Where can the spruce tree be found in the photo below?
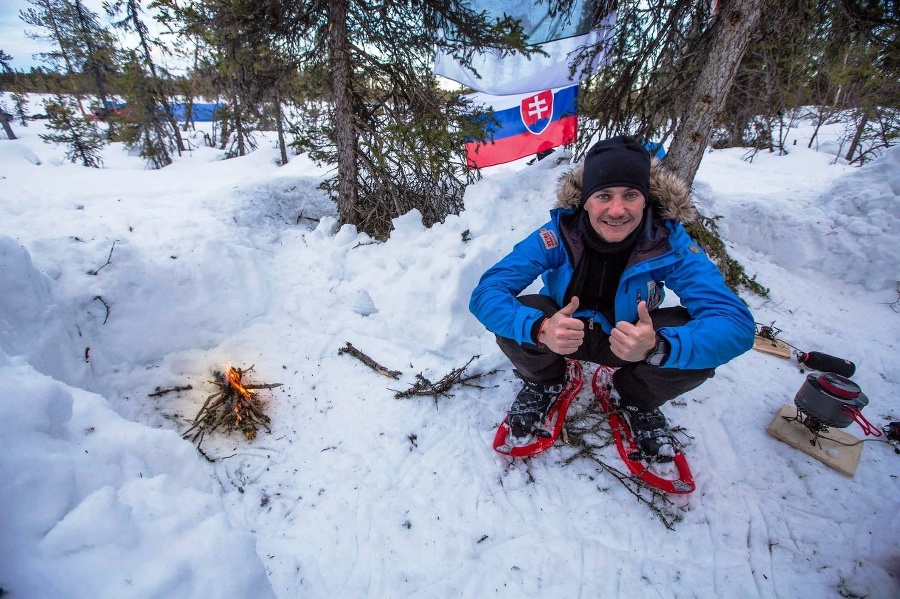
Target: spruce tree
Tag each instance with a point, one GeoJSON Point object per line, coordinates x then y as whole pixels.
{"type": "Point", "coordinates": [95, 50]}
{"type": "Point", "coordinates": [397, 138]}
{"type": "Point", "coordinates": [82, 139]}
{"type": "Point", "coordinates": [81, 46]}
{"type": "Point", "coordinates": [147, 87]}
{"type": "Point", "coordinates": [367, 99]}
{"type": "Point", "coordinates": [147, 129]}
{"type": "Point", "coordinates": [5, 117]}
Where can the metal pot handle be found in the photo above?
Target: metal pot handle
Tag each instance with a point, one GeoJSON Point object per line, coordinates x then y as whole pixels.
{"type": "Point", "coordinates": [867, 427]}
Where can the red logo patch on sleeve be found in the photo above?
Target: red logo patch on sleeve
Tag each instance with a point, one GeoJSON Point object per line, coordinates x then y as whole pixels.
{"type": "Point", "coordinates": [549, 239]}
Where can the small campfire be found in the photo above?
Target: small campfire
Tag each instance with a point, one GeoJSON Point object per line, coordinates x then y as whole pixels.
{"type": "Point", "coordinates": [234, 406]}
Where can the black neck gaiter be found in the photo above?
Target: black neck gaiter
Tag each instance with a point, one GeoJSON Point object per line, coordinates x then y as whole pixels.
{"type": "Point", "coordinates": [601, 268]}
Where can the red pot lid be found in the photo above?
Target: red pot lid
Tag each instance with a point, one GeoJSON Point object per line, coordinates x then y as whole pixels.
{"type": "Point", "coordinates": [839, 386]}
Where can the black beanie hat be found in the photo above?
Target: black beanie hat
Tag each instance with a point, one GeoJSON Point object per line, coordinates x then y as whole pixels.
{"type": "Point", "coordinates": [613, 162]}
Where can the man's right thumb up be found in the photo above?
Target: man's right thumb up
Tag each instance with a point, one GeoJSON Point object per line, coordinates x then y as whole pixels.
{"type": "Point", "coordinates": [571, 307]}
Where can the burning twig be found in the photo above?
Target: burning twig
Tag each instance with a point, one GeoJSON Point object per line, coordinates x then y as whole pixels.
{"type": "Point", "coordinates": [349, 349]}
{"type": "Point", "coordinates": [108, 261]}
{"type": "Point", "coordinates": [233, 406]}
{"type": "Point", "coordinates": [425, 387]}
{"type": "Point", "coordinates": [159, 391]}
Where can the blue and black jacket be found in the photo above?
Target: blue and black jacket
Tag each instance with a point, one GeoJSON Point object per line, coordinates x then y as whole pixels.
{"type": "Point", "coordinates": [664, 258]}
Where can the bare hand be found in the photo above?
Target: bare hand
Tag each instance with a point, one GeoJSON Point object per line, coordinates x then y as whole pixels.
{"type": "Point", "coordinates": [562, 333]}
{"type": "Point", "coordinates": [632, 342]}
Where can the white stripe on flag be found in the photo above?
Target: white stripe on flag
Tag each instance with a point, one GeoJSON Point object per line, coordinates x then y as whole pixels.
{"type": "Point", "coordinates": [517, 74]}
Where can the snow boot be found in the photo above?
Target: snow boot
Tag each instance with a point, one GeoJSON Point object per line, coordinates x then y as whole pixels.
{"type": "Point", "coordinates": [651, 431]}
{"type": "Point", "coordinates": [532, 404]}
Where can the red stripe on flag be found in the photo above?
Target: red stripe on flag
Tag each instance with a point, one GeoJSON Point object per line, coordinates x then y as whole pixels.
{"type": "Point", "coordinates": [557, 133]}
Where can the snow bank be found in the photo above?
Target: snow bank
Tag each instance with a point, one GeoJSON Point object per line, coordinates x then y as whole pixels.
{"type": "Point", "coordinates": [865, 221]}
{"type": "Point", "coordinates": [848, 232]}
{"type": "Point", "coordinates": [30, 322]}
{"type": "Point", "coordinates": [113, 508]}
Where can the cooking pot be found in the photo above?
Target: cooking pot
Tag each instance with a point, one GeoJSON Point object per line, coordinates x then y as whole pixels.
{"type": "Point", "coordinates": [831, 399]}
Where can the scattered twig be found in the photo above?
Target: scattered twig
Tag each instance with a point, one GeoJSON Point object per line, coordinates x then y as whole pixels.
{"type": "Point", "coordinates": [301, 217]}
{"type": "Point", "coordinates": [87, 354]}
{"type": "Point", "coordinates": [262, 385]}
{"type": "Point", "coordinates": [108, 261]}
{"type": "Point", "coordinates": [159, 391]}
{"type": "Point", "coordinates": [895, 305]}
{"type": "Point", "coordinates": [349, 349]}
{"type": "Point", "coordinates": [363, 243]}
{"type": "Point", "coordinates": [203, 453]}
{"type": "Point", "coordinates": [588, 435]}
{"type": "Point", "coordinates": [423, 386]}
{"type": "Point", "coordinates": [105, 305]}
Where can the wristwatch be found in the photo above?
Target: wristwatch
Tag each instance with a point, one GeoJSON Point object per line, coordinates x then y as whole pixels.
{"type": "Point", "coordinates": [660, 353]}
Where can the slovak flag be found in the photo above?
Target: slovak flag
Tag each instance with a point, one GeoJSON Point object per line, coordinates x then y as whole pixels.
{"type": "Point", "coordinates": [527, 124]}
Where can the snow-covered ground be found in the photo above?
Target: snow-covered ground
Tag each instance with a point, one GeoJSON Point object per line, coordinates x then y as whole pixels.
{"type": "Point", "coordinates": [355, 493]}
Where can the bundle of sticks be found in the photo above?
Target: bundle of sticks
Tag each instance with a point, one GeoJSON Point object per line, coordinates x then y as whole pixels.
{"type": "Point", "coordinates": [233, 406]}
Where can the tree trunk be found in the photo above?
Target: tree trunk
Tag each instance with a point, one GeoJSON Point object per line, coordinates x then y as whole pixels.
{"type": "Point", "coordinates": [93, 66]}
{"type": "Point", "coordinates": [857, 136]}
{"type": "Point", "coordinates": [735, 23]}
{"type": "Point", "coordinates": [345, 133]}
{"type": "Point", "coordinates": [4, 119]}
{"type": "Point", "coordinates": [279, 125]}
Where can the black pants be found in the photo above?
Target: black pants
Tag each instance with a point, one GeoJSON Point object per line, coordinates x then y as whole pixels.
{"type": "Point", "coordinates": [638, 383]}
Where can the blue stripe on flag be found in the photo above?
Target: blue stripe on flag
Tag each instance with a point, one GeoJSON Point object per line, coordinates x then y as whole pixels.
{"type": "Point", "coordinates": [510, 121]}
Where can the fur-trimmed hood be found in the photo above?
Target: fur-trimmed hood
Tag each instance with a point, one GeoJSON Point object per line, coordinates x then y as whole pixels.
{"type": "Point", "coordinates": [670, 195]}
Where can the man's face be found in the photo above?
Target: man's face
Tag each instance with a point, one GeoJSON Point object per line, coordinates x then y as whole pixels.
{"type": "Point", "coordinates": [615, 212]}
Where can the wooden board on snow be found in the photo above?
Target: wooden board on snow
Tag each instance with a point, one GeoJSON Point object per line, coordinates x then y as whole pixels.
{"type": "Point", "coordinates": [772, 346]}
{"type": "Point", "coordinates": [843, 458]}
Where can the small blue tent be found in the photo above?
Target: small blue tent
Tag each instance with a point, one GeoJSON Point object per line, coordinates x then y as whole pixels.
{"type": "Point", "coordinates": [200, 112]}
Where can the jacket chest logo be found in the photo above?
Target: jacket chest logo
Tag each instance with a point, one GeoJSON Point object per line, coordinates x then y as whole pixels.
{"type": "Point", "coordinates": [549, 238]}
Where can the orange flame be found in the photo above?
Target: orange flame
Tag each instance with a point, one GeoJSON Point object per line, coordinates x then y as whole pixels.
{"type": "Point", "coordinates": [234, 379]}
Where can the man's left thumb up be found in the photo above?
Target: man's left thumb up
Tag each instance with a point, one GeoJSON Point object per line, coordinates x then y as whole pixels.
{"type": "Point", "coordinates": [644, 314]}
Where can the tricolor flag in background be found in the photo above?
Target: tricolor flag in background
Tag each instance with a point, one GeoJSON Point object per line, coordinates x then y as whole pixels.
{"type": "Point", "coordinates": [527, 124]}
{"type": "Point", "coordinates": [535, 98]}
{"type": "Point", "coordinates": [559, 36]}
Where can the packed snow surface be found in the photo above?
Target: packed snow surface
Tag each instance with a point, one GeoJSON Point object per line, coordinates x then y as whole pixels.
{"type": "Point", "coordinates": [121, 280]}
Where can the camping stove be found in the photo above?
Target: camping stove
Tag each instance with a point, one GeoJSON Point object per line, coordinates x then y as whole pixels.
{"type": "Point", "coordinates": [828, 399]}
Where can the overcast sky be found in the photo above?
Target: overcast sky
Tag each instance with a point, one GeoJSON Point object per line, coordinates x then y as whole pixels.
{"type": "Point", "coordinates": [13, 40]}
{"type": "Point", "coordinates": [12, 35]}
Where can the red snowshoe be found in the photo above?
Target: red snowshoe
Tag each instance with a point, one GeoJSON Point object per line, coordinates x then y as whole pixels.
{"type": "Point", "coordinates": [504, 441]}
{"type": "Point", "coordinates": [628, 447]}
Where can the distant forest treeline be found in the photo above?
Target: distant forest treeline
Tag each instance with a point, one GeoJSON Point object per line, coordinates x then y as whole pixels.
{"type": "Point", "coordinates": [39, 80]}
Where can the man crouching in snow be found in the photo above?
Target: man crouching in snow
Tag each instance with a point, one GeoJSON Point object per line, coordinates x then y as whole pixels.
{"type": "Point", "coordinates": [614, 240]}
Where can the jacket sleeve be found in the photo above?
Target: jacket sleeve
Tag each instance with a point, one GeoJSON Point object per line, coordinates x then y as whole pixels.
{"type": "Point", "coordinates": [721, 328]}
{"type": "Point", "coordinates": [494, 300]}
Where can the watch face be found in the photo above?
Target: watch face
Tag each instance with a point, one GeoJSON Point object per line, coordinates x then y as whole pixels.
{"type": "Point", "coordinates": [655, 359]}
{"type": "Point", "coordinates": [659, 353]}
